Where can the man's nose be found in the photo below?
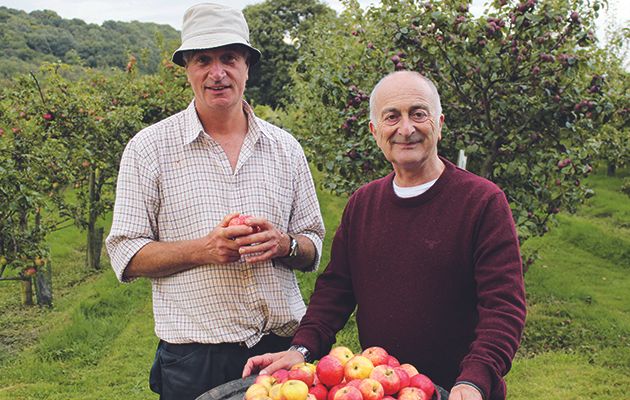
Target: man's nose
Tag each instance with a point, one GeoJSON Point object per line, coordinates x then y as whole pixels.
{"type": "Point", "coordinates": [407, 128]}
{"type": "Point", "coordinates": [216, 71]}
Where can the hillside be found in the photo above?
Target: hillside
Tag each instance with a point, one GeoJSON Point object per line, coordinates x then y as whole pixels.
{"type": "Point", "coordinates": [29, 39]}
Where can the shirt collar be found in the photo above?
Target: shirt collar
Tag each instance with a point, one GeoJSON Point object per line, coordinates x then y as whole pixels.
{"type": "Point", "coordinates": [194, 127]}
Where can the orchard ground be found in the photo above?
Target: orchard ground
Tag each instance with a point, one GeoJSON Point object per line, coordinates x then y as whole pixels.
{"type": "Point", "coordinates": [98, 341]}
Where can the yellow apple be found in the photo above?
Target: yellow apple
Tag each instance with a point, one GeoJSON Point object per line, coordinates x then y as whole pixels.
{"type": "Point", "coordinates": [358, 367]}
{"type": "Point", "coordinates": [341, 353]}
{"type": "Point", "coordinates": [294, 390]}
{"type": "Point", "coordinates": [255, 390]}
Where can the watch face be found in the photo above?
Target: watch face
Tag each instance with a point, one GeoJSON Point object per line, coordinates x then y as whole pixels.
{"type": "Point", "coordinates": [293, 247]}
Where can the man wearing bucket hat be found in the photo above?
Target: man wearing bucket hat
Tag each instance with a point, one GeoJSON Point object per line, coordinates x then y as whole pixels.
{"type": "Point", "coordinates": [221, 292]}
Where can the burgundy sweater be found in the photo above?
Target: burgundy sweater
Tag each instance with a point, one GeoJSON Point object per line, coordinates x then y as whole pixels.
{"type": "Point", "coordinates": [436, 280]}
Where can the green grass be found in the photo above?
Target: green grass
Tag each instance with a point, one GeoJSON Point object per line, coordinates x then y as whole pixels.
{"type": "Point", "coordinates": [98, 341]}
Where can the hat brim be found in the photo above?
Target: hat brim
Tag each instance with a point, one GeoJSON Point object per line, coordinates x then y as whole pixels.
{"type": "Point", "coordinates": [206, 42]}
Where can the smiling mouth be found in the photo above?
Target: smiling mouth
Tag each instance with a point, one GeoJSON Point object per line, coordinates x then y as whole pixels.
{"type": "Point", "coordinates": [217, 88]}
{"type": "Point", "coordinates": [409, 143]}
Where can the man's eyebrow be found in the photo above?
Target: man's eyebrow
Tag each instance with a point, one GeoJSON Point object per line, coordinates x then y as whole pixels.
{"type": "Point", "coordinates": [388, 110]}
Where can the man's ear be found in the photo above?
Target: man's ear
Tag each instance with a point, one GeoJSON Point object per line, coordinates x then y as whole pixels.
{"type": "Point", "coordinates": [372, 129]}
{"type": "Point", "coordinates": [441, 124]}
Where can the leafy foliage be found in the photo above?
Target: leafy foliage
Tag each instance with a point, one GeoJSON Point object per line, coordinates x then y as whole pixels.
{"type": "Point", "coordinates": [275, 29]}
{"type": "Point", "coordinates": [62, 132]}
{"type": "Point", "coordinates": [520, 89]}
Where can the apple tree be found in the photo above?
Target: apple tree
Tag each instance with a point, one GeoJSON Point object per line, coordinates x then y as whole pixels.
{"type": "Point", "coordinates": [29, 182]}
{"type": "Point", "coordinates": [516, 87]}
{"type": "Point", "coordinates": [93, 117]}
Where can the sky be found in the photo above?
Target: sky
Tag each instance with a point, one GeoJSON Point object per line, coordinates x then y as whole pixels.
{"type": "Point", "coordinates": [170, 12]}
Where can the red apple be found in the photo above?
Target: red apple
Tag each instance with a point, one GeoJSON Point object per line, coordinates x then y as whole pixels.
{"type": "Point", "coordinates": [348, 393]}
{"type": "Point", "coordinates": [412, 393]}
{"type": "Point", "coordinates": [302, 372]}
{"type": "Point", "coordinates": [371, 389]}
{"type": "Point", "coordinates": [333, 390]}
{"type": "Point", "coordinates": [393, 361]}
{"type": "Point", "coordinates": [319, 391]}
{"type": "Point", "coordinates": [341, 353]}
{"type": "Point", "coordinates": [330, 371]}
{"type": "Point", "coordinates": [423, 383]}
{"type": "Point", "coordinates": [409, 369]}
{"type": "Point", "coordinates": [387, 378]}
{"type": "Point", "coordinates": [376, 354]}
{"type": "Point", "coordinates": [358, 367]}
{"type": "Point", "coordinates": [240, 220]}
{"type": "Point", "coordinates": [355, 383]}
{"type": "Point", "coordinates": [281, 375]}
{"type": "Point", "coordinates": [294, 390]}
{"type": "Point", "coordinates": [403, 375]}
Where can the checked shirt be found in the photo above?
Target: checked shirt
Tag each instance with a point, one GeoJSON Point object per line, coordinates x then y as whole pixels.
{"type": "Point", "coordinates": [176, 183]}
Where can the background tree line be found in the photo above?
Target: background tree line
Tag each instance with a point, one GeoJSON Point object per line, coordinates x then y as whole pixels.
{"type": "Point", "coordinates": [30, 39]}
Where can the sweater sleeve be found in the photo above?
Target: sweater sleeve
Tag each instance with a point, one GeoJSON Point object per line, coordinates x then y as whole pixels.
{"type": "Point", "coordinates": [501, 300]}
{"type": "Point", "coordinates": [332, 301]}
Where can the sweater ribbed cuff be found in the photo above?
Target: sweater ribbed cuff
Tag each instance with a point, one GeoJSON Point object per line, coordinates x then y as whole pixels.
{"type": "Point", "coordinates": [483, 396]}
{"type": "Point", "coordinates": [479, 374]}
{"type": "Point", "coordinates": [310, 340]}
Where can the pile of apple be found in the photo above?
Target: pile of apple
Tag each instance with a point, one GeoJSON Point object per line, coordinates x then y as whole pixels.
{"type": "Point", "coordinates": [343, 375]}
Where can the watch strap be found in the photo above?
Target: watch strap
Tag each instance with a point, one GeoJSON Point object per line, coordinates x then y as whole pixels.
{"type": "Point", "coordinates": [302, 350]}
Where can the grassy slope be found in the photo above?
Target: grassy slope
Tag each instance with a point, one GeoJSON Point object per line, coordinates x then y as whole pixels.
{"type": "Point", "coordinates": [577, 339]}
{"type": "Point", "coordinates": [98, 341]}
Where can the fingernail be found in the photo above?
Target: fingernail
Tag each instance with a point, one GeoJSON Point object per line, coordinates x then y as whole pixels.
{"type": "Point", "coordinates": [263, 372]}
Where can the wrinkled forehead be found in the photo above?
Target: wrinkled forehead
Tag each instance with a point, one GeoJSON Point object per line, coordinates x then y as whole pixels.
{"type": "Point", "coordinates": [403, 94]}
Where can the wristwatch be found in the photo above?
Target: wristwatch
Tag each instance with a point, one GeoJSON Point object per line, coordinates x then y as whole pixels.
{"type": "Point", "coordinates": [302, 350]}
{"type": "Point", "coordinates": [293, 247]}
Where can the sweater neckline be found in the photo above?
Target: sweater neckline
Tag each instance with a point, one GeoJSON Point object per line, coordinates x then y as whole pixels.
{"type": "Point", "coordinates": [443, 179]}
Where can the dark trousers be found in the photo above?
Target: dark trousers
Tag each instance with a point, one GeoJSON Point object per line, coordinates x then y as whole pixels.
{"type": "Point", "coordinates": [186, 371]}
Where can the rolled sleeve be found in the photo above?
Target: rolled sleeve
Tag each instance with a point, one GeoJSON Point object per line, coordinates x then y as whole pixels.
{"type": "Point", "coordinates": [306, 215]}
{"type": "Point", "coordinates": [135, 209]}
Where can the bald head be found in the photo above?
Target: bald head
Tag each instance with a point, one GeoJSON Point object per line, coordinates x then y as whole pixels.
{"type": "Point", "coordinates": [404, 79]}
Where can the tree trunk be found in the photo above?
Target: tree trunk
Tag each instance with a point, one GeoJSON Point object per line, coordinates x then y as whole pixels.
{"type": "Point", "coordinates": [612, 168]}
{"type": "Point", "coordinates": [27, 291]}
{"type": "Point", "coordinates": [94, 234]}
{"type": "Point", "coordinates": [43, 284]}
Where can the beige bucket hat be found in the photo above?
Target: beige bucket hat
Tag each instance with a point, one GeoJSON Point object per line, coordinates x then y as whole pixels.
{"type": "Point", "coordinates": [209, 25]}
